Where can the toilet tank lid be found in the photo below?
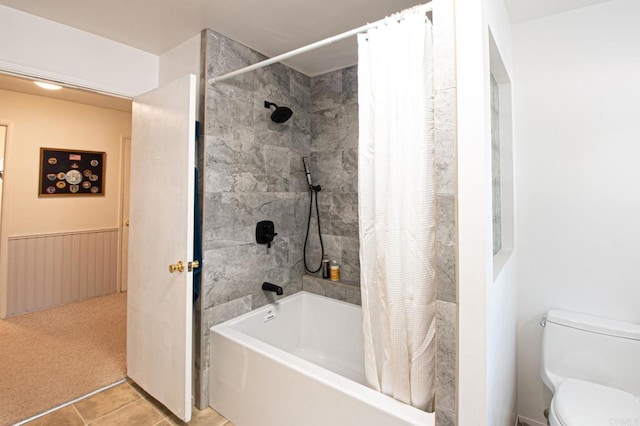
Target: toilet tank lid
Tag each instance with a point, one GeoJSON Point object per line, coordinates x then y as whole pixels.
{"type": "Point", "coordinates": [595, 324]}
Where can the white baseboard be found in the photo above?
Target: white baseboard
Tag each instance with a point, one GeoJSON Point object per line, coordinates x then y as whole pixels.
{"type": "Point", "coordinates": [529, 421]}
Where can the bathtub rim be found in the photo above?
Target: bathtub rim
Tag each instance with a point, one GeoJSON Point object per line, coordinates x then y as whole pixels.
{"type": "Point", "coordinates": [283, 301]}
{"type": "Point", "coordinates": [312, 371]}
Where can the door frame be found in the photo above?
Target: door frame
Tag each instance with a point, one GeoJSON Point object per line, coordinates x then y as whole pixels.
{"type": "Point", "coordinates": [4, 238]}
{"type": "Point", "coordinates": [123, 218]}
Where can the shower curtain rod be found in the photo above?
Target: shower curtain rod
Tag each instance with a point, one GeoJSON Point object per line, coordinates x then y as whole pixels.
{"type": "Point", "coordinates": [427, 8]}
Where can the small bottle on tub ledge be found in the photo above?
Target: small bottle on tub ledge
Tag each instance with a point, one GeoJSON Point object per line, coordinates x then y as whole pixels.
{"type": "Point", "coordinates": [335, 271]}
{"type": "Point", "coordinates": [325, 267]}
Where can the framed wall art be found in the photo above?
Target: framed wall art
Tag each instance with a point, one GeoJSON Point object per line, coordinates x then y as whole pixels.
{"type": "Point", "coordinates": [71, 172]}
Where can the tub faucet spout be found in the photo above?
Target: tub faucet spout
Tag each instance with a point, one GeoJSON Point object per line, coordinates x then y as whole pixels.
{"type": "Point", "coordinates": [272, 287]}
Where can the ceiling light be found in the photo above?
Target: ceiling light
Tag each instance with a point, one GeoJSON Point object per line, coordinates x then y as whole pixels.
{"type": "Point", "coordinates": [47, 86]}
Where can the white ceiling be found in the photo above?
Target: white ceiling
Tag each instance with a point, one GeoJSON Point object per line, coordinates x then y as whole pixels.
{"type": "Point", "coordinates": [524, 10]}
{"type": "Point", "coordinates": [270, 27]}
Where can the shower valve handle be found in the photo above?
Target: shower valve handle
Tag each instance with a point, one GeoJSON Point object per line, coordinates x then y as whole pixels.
{"type": "Point", "coordinates": [270, 238]}
{"type": "Point", "coordinates": [265, 232]}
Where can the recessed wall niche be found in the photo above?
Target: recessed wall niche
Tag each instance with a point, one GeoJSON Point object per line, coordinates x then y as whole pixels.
{"type": "Point", "coordinates": [501, 161]}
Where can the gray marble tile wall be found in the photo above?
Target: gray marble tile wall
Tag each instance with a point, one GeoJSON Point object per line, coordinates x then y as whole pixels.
{"type": "Point", "coordinates": [334, 166]}
{"type": "Point", "coordinates": [446, 198]}
{"type": "Point", "coordinates": [252, 171]}
{"type": "Point", "coordinates": [495, 166]}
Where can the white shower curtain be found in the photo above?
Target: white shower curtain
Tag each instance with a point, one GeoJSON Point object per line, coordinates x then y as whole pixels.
{"type": "Point", "coordinates": [396, 186]}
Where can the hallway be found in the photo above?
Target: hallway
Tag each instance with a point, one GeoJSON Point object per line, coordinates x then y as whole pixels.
{"type": "Point", "coordinates": [56, 355]}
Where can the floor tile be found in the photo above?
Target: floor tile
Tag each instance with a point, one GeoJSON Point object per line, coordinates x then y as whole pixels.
{"type": "Point", "coordinates": [126, 404]}
{"type": "Point", "coordinates": [66, 416]}
{"type": "Point", "coordinates": [208, 417]}
{"type": "Point", "coordinates": [137, 388]}
{"type": "Point", "coordinates": [105, 402]}
{"type": "Point", "coordinates": [139, 413]}
{"type": "Point", "coordinates": [156, 404]}
{"type": "Point", "coordinates": [159, 407]}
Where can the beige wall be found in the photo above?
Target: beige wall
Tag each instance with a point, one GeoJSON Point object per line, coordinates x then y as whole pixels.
{"type": "Point", "coordinates": [36, 122]}
{"type": "Point", "coordinates": [43, 122]}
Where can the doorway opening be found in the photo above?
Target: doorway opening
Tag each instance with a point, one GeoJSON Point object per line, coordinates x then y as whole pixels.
{"type": "Point", "coordinates": [61, 280]}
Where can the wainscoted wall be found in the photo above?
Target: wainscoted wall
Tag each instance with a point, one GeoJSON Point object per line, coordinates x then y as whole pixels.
{"type": "Point", "coordinates": [334, 164]}
{"type": "Point", "coordinates": [54, 269]}
{"type": "Point", "coordinates": [38, 121]}
{"type": "Point", "coordinates": [252, 171]}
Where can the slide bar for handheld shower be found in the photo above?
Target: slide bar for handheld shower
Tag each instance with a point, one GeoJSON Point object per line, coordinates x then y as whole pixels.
{"type": "Point", "coordinates": [426, 7]}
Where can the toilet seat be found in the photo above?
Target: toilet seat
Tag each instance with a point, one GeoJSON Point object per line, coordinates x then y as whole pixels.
{"type": "Point", "coordinates": [580, 403]}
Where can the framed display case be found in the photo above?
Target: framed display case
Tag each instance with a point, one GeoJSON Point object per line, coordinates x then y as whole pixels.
{"type": "Point", "coordinates": [65, 172]}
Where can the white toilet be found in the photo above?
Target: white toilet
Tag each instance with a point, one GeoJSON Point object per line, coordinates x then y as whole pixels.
{"type": "Point", "coordinates": [592, 366]}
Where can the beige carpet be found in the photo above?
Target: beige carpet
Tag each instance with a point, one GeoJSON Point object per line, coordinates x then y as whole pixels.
{"type": "Point", "coordinates": [53, 356]}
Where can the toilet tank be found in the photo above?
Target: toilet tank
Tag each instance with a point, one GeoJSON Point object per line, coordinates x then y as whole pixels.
{"type": "Point", "coordinates": [590, 348]}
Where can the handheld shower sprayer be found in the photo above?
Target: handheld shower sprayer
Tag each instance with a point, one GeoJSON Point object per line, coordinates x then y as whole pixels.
{"type": "Point", "coordinates": [307, 171]}
{"type": "Point", "coordinates": [305, 161]}
{"type": "Point", "coordinates": [313, 190]}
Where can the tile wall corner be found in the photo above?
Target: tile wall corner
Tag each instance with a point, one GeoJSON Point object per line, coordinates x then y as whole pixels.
{"type": "Point", "coordinates": [446, 211]}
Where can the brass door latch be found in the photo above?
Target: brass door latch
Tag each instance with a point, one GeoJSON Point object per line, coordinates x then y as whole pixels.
{"type": "Point", "coordinates": [179, 267]}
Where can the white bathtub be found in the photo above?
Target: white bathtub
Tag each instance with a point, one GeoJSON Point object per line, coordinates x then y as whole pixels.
{"type": "Point", "coordinates": [299, 362]}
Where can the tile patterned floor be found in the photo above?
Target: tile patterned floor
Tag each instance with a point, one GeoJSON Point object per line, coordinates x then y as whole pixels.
{"type": "Point", "coordinates": [125, 404]}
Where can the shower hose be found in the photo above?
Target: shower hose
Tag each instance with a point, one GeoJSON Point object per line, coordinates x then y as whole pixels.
{"type": "Point", "coordinates": [313, 190]}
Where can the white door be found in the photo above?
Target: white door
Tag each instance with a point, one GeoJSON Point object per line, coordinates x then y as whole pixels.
{"type": "Point", "coordinates": [159, 303]}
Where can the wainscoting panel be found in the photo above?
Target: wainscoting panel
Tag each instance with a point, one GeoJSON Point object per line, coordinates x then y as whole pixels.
{"type": "Point", "coordinates": [54, 269]}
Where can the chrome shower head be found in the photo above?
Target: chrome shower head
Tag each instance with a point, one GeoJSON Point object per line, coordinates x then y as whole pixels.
{"type": "Point", "coordinates": [280, 114]}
